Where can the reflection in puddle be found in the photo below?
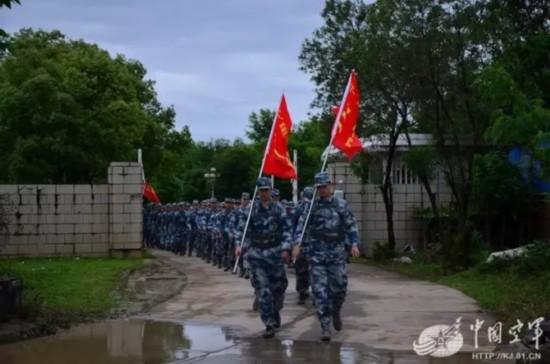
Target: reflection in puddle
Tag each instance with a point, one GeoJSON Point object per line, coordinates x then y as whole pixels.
{"type": "Point", "coordinates": [151, 342]}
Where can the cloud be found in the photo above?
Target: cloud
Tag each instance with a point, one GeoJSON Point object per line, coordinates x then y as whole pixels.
{"type": "Point", "coordinates": [216, 61]}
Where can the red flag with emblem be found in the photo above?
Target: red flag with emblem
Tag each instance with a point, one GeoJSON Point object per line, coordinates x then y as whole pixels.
{"type": "Point", "coordinates": [343, 130]}
{"type": "Point", "coordinates": [149, 193]}
{"type": "Point", "coordinates": [277, 158]}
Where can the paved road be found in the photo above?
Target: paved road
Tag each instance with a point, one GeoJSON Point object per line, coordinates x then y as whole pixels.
{"type": "Point", "coordinates": [383, 310]}
{"type": "Point", "coordinates": [211, 321]}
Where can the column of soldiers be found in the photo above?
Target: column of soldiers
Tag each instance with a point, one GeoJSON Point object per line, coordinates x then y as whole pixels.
{"type": "Point", "coordinates": [214, 231]}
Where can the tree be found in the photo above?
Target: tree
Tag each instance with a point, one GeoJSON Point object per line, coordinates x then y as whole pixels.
{"type": "Point", "coordinates": [8, 3]}
{"type": "Point", "coordinates": [237, 167]}
{"type": "Point", "coordinates": [67, 109]}
{"type": "Point", "coordinates": [449, 48]}
{"type": "Point", "coordinates": [516, 86]}
{"type": "Point", "coordinates": [419, 61]}
{"type": "Point", "coordinates": [3, 35]}
{"type": "Point", "coordinates": [260, 126]}
{"type": "Point", "coordinates": [310, 140]}
{"type": "Point", "coordinates": [501, 197]}
{"type": "Point", "coordinates": [357, 36]}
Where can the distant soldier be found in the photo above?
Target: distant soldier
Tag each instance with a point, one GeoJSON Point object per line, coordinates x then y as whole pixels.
{"type": "Point", "coordinates": [192, 237]}
{"type": "Point", "coordinates": [330, 223]}
{"type": "Point", "coordinates": [269, 238]}
{"type": "Point", "coordinates": [276, 194]}
{"type": "Point", "coordinates": [181, 228]}
{"type": "Point", "coordinates": [220, 237]}
{"type": "Point", "coordinates": [229, 230]}
{"type": "Point", "coordinates": [301, 265]}
{"type": "Point", "coordinates": [200, 218]}
{"type": "Point", "coordinates": [242, 215]}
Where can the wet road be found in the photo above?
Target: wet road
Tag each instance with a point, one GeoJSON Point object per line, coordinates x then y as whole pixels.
{"type": "Point", "coordinates": [211, 321]}
{"type": "Point", "coordinates": [143, 341]}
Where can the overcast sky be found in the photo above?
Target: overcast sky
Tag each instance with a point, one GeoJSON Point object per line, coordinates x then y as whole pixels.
{"type": "Point", "coordinates": [216, 61]}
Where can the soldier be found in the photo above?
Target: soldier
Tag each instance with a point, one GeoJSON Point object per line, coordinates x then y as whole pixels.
{"type": "Point", "coordinates": [193, 227]}
{"type": "Point", "coordinates": [276, 195]}
{"type": "Point", "coordinates": [301, 264]}
{"type": "Point", "coordinates": [200, 221]}
{"type": "Point", "coordinates": [331, 222]}
{"type": "Point", "coordinates": [212, 211]}
{"type": "Point", "coordinates": [268, 237]}
{"type": "Point", "coordinates": [242, 214]}
{"type": "Point", "coordinates": [219, 238]}
{"type": "Point", "coordinates": [229, 252]}
{"type": "Point", "coordinates": [181, 228]}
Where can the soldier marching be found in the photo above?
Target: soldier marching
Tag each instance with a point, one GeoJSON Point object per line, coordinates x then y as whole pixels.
{"type": "Point", "coordinates": [213, 231]}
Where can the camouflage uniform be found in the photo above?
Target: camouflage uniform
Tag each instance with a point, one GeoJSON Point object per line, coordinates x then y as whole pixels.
{"type": "Point", "coordinates": [200, 222]}
{"type": "Point", "coordinates": [192, 239]}
{"type": "Point", "coordinates": [331, 222]}
{"type": "Point", "coordinates": [218, 221]}
{"type": "Point", "coordinates": [242, 215]}
{"type": "Point", "coordinates": [229, 235]}
{"type": "Point", "coordinates": [301, 265]}
{"type": "Point", "coordinates": [269, 234]}
{"type": "Point", "coordinates": [181, 228]}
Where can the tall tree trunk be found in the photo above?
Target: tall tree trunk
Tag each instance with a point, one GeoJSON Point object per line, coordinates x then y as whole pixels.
{"type": "Point", "coordinates": [431, 195]}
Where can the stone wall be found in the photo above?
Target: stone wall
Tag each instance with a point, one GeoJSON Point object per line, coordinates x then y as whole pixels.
{"type": "Point", "coordinates": [83, 220]}
{"type": "Point", "coordinates": [367, 204]}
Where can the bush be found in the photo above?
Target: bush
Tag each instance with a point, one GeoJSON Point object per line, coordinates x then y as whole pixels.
{"type": "Point", "coordinates": [535, 260]}
{"type": "Point", "coordinates": [382, 251]}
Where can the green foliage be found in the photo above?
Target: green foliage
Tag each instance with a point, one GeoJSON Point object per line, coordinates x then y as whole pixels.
{"type": "Point", "coordinates": [67, 109]}
{"type": "Point", "coordinates": [517, 119]}
{"type": "Point", "coordinates": [310, 140]}
{"type": "Point", "coordinates": [498, 185]}
{"type": "Point", "coordinates": [260, 126]}
{"type": "Point", "coordinates": [422, 161]}
{"type": "Point", "coordinates": [9, 3]}
{"type": "Point", "coordinates": [382, 251]}
{"type": "Point", "coordinates": [66, 289]}
{"type": "Point", "coordinates": [471, 73]}
{"type": "Point", "coordinates": [238, 168]}
{"type": "Point", "coordinates": [4, 37]}
{"type": "Point", "coordinates": [510, 290]}
{"type": "Point", "coordinates": [533, 261]}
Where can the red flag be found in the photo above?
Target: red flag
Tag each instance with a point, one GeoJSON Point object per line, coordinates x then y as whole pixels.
{"type": "Point", "coordinates": [343, 131]}
{"type": "Point", "coordinates": [277, 157]}
{"type": "Point", "coordinates": [149, 193]}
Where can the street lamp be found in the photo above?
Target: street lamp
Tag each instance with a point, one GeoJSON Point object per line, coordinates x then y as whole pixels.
{"type": "Point", "coordinates": [211, 178]}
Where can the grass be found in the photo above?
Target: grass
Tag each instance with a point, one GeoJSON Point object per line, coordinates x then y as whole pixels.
{"type": "Point", "coordinates": [507, 291]}
{"type": "Point", "coordinates": [68, 289]}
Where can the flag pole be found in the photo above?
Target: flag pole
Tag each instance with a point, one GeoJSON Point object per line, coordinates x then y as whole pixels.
{"type": "Point", "coordinates": [332, 134]}
{"type": "Point", "coordinates": [295, 181]}
{"type": "Point", "coordinates": [256, 188]}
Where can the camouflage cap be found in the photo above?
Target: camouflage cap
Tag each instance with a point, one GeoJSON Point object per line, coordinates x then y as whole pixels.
{"type": "Point", "coordinates": [263, 183]}
{"type": "Point", "coordinates": [275, 193]}
{"type": "Point", "coordinates": [308, 192]}
{"type": "Point", "coordinates": [245, 196]}
{"type": "Point", "coordinates": [322, 179]}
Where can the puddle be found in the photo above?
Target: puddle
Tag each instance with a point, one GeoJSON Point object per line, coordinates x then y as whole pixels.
{"type": "Point", "coordinates": [152, 342]}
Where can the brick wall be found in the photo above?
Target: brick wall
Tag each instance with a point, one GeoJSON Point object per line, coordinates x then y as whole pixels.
{"type": "Point", "coordinates": [367, 204]}
{"type": "Point", "coordinates": [84, 220]}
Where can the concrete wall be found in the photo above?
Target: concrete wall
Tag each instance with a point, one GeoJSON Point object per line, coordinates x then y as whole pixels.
{"type": "Point", "coordinates": [368, 206]}
{"type": "Point", "coordinates": [84, 220]}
